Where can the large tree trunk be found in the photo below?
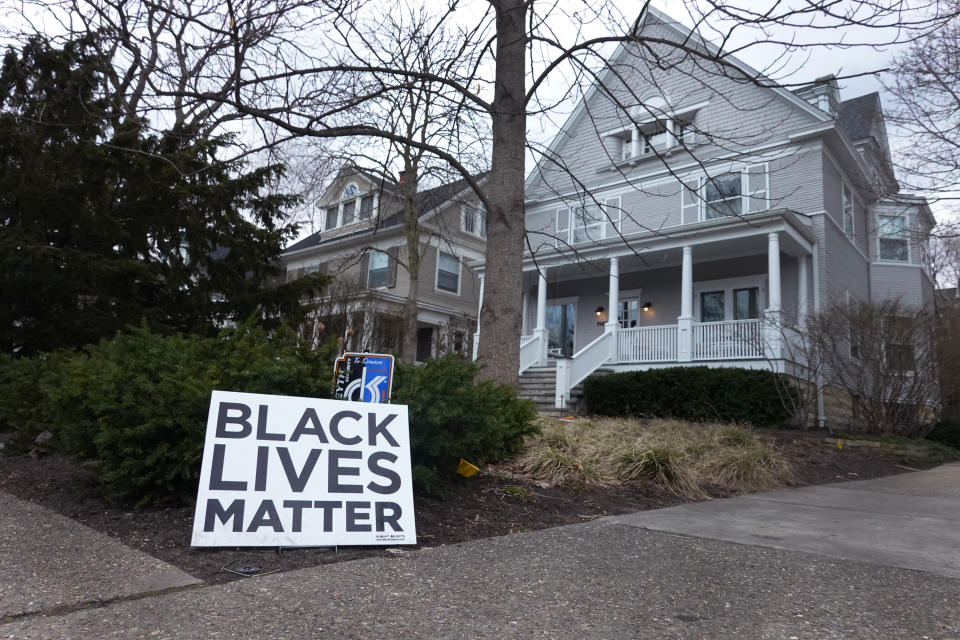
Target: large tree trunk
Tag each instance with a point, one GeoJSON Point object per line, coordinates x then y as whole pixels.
{"type": "Point", "coordinates": [411, 225]}
{"type": "Point", "coordinates": [500, 313]}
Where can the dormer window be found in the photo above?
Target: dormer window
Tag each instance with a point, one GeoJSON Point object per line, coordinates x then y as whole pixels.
{"type": "Point", "coordinates": [351, 208]}
{"type": "Point", "coordinates": [474, 221]}
{"type": "Point", "coordinates": [656, 129]}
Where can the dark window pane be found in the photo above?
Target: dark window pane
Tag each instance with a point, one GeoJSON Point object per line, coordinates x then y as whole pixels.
{"type": "Point", "coordinates": [348, 209]}
{"type": "Point", "coordinates": [366, 207]}
{"type": "Point", "coordinates": [711, 306]}
{"type": "Point", "coordinates": [331, 217]}
{"type": "Point", "coordinates": [746, 303]}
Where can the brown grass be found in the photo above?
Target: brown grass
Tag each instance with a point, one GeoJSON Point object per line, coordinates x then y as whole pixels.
{"type": "Point", "coordinates": [680, 456]}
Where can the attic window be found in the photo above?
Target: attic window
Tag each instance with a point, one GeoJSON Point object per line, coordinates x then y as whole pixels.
{"type": "Point", "coordinates": [659, 133]}
{"type": "Point", "coordinates": [350, 191]}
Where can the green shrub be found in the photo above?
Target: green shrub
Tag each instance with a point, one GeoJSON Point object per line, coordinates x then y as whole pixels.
{"type": "Point", "coordinates": [25, 388]}
{"type": "Point", "coordinates": [946, 432]}
{"type": "Point", "coordinates": [699, 394]}
{"type": "Point", "coordinates": [453, 416]}
{"type": "Point", "coordinates": [138, 403]}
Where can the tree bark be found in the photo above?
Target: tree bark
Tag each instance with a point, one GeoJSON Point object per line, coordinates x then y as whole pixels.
{"type": "Point", "coordinates": [411, 229]}
{"type": "Point", "coordinates": [500, 314]}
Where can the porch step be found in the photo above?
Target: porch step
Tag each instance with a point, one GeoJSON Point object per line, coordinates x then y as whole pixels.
{"type": "Point", "coordinates": [539, 384]}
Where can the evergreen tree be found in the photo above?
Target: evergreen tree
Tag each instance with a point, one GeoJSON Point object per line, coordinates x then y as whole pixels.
{"type": "Point", "coordinates": [105, 224]}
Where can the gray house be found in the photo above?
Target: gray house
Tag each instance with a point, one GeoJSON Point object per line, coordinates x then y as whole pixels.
{"type": "Point", "coordinates": [362, 244]}
{"type": "Point", "coordinates": [683, 207]}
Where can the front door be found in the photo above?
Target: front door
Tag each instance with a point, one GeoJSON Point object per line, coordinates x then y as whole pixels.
{"type": "Point", "coordinates": [560, 325]}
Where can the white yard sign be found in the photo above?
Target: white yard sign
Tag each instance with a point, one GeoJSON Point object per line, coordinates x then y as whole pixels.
{"type": "Point", "coordinates": [293, 472]}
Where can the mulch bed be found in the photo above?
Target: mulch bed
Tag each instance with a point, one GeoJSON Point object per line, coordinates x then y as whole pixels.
{"type": "Point", "coordinates": [489, 504]}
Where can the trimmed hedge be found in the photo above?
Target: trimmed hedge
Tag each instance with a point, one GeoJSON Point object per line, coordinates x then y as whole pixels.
{"type": "Point", "coordinates": [453, 416]}
{"type": "Point", "coordinates": [700, 394]}
{"type": "Point", "coordinates": [946, 432]}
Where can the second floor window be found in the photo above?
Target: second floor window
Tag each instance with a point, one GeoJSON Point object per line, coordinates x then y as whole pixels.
{"type": "Point", "coordinates": [847, 210]}
{"type": "Point", "coordinates": [723, 196]}
{"type": "Point", "coordinates": [587, 223]}
{"type": "Point", "coordinates": [377, 273]}
{"type": "Point", "coordinates": [893, 238]}
{"type": "Point", "coordinates": [448, 273]}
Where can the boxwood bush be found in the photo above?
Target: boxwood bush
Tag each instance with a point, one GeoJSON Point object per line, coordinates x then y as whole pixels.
{"type": "Point", "coordinates": [691, 393]}
{"type": "Point", "coordinates": [453, 416]}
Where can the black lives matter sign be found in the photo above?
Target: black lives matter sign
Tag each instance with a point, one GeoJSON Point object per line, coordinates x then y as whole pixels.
{"type": "Point", "coordinates": [288, 471]}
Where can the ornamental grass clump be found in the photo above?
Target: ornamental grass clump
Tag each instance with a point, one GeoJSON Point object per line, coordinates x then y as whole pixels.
{"type": "Point", "coordinates": [681, 457]}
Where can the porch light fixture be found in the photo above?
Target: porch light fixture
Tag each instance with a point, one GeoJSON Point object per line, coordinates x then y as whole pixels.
{"type": "Point", "coordinates": [647, 305]}
{"type": "Point", "coordinates": [601, 315]}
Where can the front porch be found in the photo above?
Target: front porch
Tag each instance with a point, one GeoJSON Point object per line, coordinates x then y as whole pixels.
{"type": "Point", "coordinates": [726, 311]}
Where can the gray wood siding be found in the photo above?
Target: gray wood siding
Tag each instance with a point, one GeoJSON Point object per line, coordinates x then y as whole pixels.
{"type": "Point", "coordinates": [903, 283]}
{"type": "Point", "coordinates": [795, 179]}
{"type": "Point", "coordinates": [464, 303]}
{"type": "Point", "coordinates": [739, 115]}
{"type": "Point", "coordinates": [846, 268]}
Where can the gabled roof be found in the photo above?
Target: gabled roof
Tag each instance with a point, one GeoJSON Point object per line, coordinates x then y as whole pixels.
{"type": "Point", "coordinates": [857, 115]}
{"type": "Point", "coordinates": [429, 200]}
{"type": "Point", "coordinates": [690, 37]}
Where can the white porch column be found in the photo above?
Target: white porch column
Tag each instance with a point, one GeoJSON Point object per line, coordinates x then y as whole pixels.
{"type": "Point", "coordinates": [476, 333]}
{"type": "Point", "coordinates": [773, 271]}
{"type": "Point", "coordinates": [803, 307]}
{"type": "Point", "coordinates": [541, 330]}
{"type": "Point", "coordinates": [774, 304]}
{"type": "Point", "coordinates": [613, 305]}
{"type": "Point", "coordinates": [685, 321]}
{"type": "Point", "coordinates": [635, 143]}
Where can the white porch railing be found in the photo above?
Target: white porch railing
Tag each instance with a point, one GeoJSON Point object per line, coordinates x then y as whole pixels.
{"type": "Point", "coordinates": [730, 340]}
{"type": "Point", "coordinates": [572, 371]}
{"type": "Point", "coordinates": [529, 352]}
{"type": "Point", "coordinates": [647, 344]}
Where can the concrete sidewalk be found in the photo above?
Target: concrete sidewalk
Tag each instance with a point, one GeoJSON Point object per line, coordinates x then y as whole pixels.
{"type": "Point", "coordinates": [605, 579]}
{"type": "Point", "coordinates": [50, 562]}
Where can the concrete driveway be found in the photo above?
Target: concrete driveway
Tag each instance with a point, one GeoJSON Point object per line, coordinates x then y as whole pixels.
{"type": "Point", "coordinates": [910, 520]}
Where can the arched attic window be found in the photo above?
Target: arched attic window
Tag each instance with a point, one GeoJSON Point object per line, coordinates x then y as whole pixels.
{"type": "Point", "coordinates": [655, 128]}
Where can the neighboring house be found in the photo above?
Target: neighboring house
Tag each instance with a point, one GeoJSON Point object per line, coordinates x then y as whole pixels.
{"type": "Point", "coordinates": [362, 245]}
{"type": "Point", "coordinates": [681, 207]}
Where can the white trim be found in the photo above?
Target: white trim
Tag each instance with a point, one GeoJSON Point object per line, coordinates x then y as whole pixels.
{"type": "Point", "coordinates": [436, 274]}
